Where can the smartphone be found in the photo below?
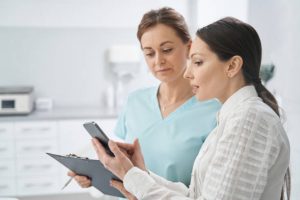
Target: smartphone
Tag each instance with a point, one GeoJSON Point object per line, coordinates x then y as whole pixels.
{"type": "Point", "coordinates": [95, 131]}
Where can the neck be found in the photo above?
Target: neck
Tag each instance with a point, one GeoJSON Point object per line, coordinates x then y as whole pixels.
{"type": "Point", "coordinates": [235, 84]}
{"type": "Point", "coordinates": [175, 91]}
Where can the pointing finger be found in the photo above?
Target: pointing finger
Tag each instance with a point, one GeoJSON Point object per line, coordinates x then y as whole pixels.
{"type": "Point", "coordinates": [99, 149]}
{"type": "Point", "coordinates": [115, 149]}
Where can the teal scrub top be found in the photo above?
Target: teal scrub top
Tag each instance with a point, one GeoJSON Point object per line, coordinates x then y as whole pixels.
{"type": "Point", "coordinates": [169, 145]}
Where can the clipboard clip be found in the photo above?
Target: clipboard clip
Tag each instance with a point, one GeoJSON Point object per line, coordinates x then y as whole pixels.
{"type": "Point", "coordinates": [72, 155]}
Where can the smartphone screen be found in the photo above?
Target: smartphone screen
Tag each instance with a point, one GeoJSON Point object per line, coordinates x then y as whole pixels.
{"type": "Point", "coordinates": [95, 131]}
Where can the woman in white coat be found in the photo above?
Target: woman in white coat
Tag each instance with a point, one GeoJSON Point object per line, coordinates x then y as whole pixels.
{"type": "Point", "coordinates": [247, 155]}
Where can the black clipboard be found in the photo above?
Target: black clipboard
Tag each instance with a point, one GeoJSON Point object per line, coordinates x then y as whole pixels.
{"type": "Point", "coordinates": [99, 176]}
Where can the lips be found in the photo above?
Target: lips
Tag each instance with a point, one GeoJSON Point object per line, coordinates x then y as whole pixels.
{"type": "Point", "coordinates": [195, 88]}
{"type": "Point", "coordinates": [163, 70]}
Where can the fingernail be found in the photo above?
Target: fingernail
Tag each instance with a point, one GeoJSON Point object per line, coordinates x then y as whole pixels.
{"type": "Point", "coordinates": [93, 141]}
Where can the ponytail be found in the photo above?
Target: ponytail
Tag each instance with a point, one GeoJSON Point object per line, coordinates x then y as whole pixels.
{"type": "Point", "coordinates": [266, 96]}
{"type": "Point", "coordinates": [270, 100]}
{"type": "Point", "coordinates": [286, 188]}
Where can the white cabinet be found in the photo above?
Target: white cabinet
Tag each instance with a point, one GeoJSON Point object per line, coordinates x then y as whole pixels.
{"type": "Point", "coordinates": [7, 161]}
{"type": "Point", "coordinates": [25, 169]}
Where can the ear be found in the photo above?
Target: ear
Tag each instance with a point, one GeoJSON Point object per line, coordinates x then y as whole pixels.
{"type": "Point", "coordinates": [234, 66]}
{"type": "Point", "coordinates": [189, 44]}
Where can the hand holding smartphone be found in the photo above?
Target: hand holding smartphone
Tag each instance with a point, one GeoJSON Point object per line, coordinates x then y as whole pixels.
{"type": "Point", "coordinates": [95, 131]}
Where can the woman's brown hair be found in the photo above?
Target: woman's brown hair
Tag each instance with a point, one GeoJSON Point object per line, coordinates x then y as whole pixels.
{"type": "Point", "coordinates": [168, 17]}
{"type": "Point", "coordinates": [229, 37]}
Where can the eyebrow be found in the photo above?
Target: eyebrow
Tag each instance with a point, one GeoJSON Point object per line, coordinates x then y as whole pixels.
{"type": "Point", "coordinates": [163, 43]}
{"type": "Point", "coordinates": [197, 53]}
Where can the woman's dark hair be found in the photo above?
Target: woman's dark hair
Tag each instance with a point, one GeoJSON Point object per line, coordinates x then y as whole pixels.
{"type": "Point", "coordinates": [230, 37]}
{"type": "Point", "coordinates": [168, 17]}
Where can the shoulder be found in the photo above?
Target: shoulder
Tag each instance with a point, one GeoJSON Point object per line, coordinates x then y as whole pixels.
{"type": "Point", "coordinates": [141, 95]}
{"type": "Point", "coordinates": [254, 110]}
{"type": "Point", "coordinates": [144, 92]}
{"type": "Point", "coordinates": [256, 119]}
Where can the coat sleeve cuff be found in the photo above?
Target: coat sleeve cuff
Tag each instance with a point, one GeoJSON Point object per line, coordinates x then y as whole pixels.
{"type": "Point", "coordinates": [138, 182]}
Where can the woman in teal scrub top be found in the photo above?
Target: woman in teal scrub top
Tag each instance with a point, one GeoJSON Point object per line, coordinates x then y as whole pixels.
{"type": "Point", "coordinates": [169, 122]}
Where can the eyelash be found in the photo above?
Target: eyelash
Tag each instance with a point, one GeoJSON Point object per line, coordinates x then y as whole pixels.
{"type": "Point", "coordinates": [166, 51]}
{"type": "Point", "coordinates": [198, 63]}
{"type": "Point", "coordinates": [149, 54]}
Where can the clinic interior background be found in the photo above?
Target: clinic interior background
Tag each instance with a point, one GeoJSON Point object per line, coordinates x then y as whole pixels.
{"type": "Point", "coordinates": [60, 47]}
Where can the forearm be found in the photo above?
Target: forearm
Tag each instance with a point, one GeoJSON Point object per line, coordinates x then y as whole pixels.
{"type": "Point", "coordinates": [145, 186]}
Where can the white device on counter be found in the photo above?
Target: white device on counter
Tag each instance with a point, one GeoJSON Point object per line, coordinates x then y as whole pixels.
{"type": "Point", "coordinates": [16, 100]}
{"type": "Point", "coordinates": [43, 104]}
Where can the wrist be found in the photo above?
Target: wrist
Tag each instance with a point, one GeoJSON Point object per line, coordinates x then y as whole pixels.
{"type": "Point", "coordinates": [126, 171]}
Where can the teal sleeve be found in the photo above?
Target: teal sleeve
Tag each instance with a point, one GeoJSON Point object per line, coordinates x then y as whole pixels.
{"type": "Point", "coordinates": [120, 128]}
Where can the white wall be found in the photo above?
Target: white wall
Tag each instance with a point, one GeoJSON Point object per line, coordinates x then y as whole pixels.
{"type": "Point", "coordinates": [80, 13]}
{"type": "Point", "coordinates": [212, 10]}
{"type": "Point", "coordinates": [59, 46]}
{"type": "Point", "coordinates": [278, 24]}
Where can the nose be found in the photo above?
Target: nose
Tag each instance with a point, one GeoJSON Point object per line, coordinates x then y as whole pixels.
{"type": "Point", "coordinates": [188, 73]}
{"type": "Point", "coordinates": [159, 59]}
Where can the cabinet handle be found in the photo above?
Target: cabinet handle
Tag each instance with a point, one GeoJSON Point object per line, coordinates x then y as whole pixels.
{"type": "Point", "coordinates": [28, 167]}
{"type": "Point", "coordinates": [45, 129]}
{"type": "Point", "coordinates": [3, 149]}
{"type": "Point", "coordinates": [24, 130]}
{"type": "Point", "coordinates": [28, 148]}
{"type": "Point", "coordinates": [46, 184]}
{"type": "Point", "coordinates": [29, 185]}
{"type": "Point", "coordinates": [2, 130]}
{"type": "Point", "coordinates": [44, 148]}
{"type": "Point", "coordinates": [41, 148]}
{"type": "Point", "coordinates": [2, 187]}
{"type": "Point", "coordinates": [3, 168]}
{"type": "Point", "coordinates": [42, 129]}
{"type": "Point", "coordinates": [46, 166]}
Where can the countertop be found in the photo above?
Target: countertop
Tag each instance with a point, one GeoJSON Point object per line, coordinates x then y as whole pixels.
{"type": "Point", "coordinates": [64, 113]}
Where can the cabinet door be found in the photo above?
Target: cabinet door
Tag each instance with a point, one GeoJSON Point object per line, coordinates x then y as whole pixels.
{"type": "Point", "coordinates": [7, 187]}
{"type": "Point", "coordinates": [35, 149]}
{"type": "Point", "coordinates": [37, 168]}
{"type": "Point", "coordinates": [35, 130]}
{"type": "Point", "coordinates": [73, 138]}
{"type": "Point", "coordinates": [7, 169]}
{"type": "Point", "coordinates": [37, 185]}
{"type": "Point", "coordinates": [6, 131]}
{"type": "Point", "coordinates": [7, 149]}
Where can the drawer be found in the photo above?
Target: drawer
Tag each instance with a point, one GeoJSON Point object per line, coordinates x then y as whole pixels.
{"type": "Point", "coordinates": [35, 186]}
{"type": "Point", "coordinates": [34, 167]}
{"type": "Point", "coordinates": [7, 187]}
{"type": "Point", "coordinates": [38, 129]}
{"type": "Point", "coordinates": [7, 168]}
{"type": "Point", "coordinates": [7, 149]}
{"type": "Point", "coordinates": [35, 148]}
{"type": "Point", "coordinates": [6, 131]}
